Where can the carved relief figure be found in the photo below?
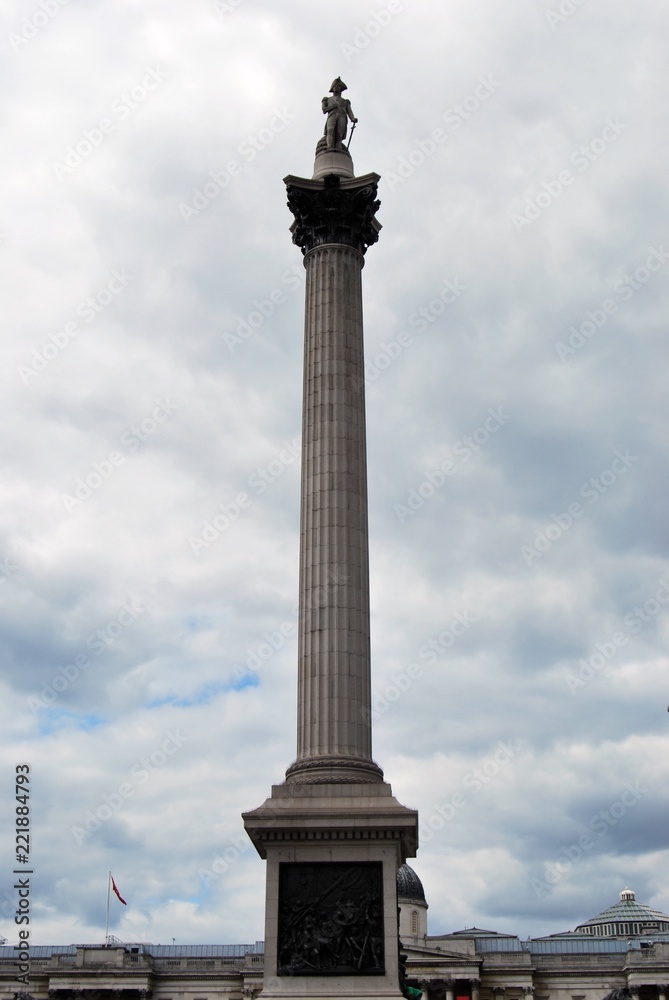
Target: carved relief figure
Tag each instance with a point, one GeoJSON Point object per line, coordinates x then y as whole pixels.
{"type": "Point", "coordinates": [331, 919]}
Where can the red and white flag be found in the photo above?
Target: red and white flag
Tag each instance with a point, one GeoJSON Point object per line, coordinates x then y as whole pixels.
{"type": "Point", "coordinates": [118, 894]}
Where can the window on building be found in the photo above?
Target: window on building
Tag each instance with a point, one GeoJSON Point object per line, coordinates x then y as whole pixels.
{"type": "Point", "coordinates": [414, 921]}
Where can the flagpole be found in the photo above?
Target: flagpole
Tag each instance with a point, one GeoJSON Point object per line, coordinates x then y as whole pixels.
{"type": "Point", "coordinates": [107, 924]}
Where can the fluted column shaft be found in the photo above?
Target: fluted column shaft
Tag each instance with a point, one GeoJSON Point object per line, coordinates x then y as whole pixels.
{"type": "Point", "coordinates": [334, 707]}
{"type": "Point", "coordinates": [334, 224]}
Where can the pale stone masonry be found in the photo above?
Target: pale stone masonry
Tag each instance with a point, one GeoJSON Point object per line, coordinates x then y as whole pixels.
{"type": "Point", "coordinates": [334, 643]}
{"type": "Point", "coordinates": [334, 224]}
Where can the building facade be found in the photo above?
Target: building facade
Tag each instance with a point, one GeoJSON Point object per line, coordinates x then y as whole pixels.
{"type": "Point", "coordinates": [625, 947]}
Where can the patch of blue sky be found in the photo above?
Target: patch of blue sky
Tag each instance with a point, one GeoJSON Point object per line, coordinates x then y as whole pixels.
{"type": "Point", "coordinates": [204, 622]}
{"type": "Point", "coordinates": [205, 694]}
{"type": "Point", "coordinates": [195, 623]}
{"type": "Point", "coordinates": [55, 719]}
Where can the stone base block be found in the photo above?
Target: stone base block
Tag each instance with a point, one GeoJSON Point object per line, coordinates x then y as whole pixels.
{"type": "Point", "coordinates": [332, 853]}
{"type": "Point", "coordinates": [333, 161]}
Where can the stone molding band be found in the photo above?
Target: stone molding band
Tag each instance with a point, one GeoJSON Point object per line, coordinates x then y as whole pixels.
{"type": "Point", "coordinates": [310, 770]}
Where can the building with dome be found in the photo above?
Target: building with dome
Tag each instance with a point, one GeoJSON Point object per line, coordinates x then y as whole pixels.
{"type": "Point", "coordinates": [626, 918]}
{"type": "Point", "coordinates": [626, 947]}
{"type": "Point", "coordinates": [412, 905]}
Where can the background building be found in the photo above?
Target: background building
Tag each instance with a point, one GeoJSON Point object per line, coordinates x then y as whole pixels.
{"type": "Point", "coordinates": [626, 946]}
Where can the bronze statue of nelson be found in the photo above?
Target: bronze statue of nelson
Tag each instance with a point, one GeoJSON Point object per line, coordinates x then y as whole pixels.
{"type": "Point", "coordinates": [338, 110]}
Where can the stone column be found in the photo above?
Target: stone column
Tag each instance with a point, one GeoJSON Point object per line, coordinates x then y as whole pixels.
{"type": "Point", "coordinates": [334, 224]}
{"type": "Point", "coordinates": [475, 985]}
{"type": "Point", "coordinates": [449, 987]}
{"type": "Point", "coordinates": [333, 834]}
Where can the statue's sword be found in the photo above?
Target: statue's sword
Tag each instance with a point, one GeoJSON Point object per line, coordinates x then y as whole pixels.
{"type": "Point", "coordinates": [351, 135]}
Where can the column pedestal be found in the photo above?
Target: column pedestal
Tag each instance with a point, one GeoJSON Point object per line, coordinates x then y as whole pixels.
{"type": "Point", "coordinates": [332, 853]}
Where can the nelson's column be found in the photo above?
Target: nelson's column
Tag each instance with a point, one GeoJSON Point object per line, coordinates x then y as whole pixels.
{"type": "Point", "coordinates": [332, 833]}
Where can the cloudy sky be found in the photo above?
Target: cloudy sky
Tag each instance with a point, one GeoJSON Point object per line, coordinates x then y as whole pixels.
{"type": "Point", "coordinates": [517, 406]}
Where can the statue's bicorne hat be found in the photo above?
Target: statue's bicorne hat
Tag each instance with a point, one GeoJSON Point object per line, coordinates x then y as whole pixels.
{"type": "Point", "coordinates": [338, 83]}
